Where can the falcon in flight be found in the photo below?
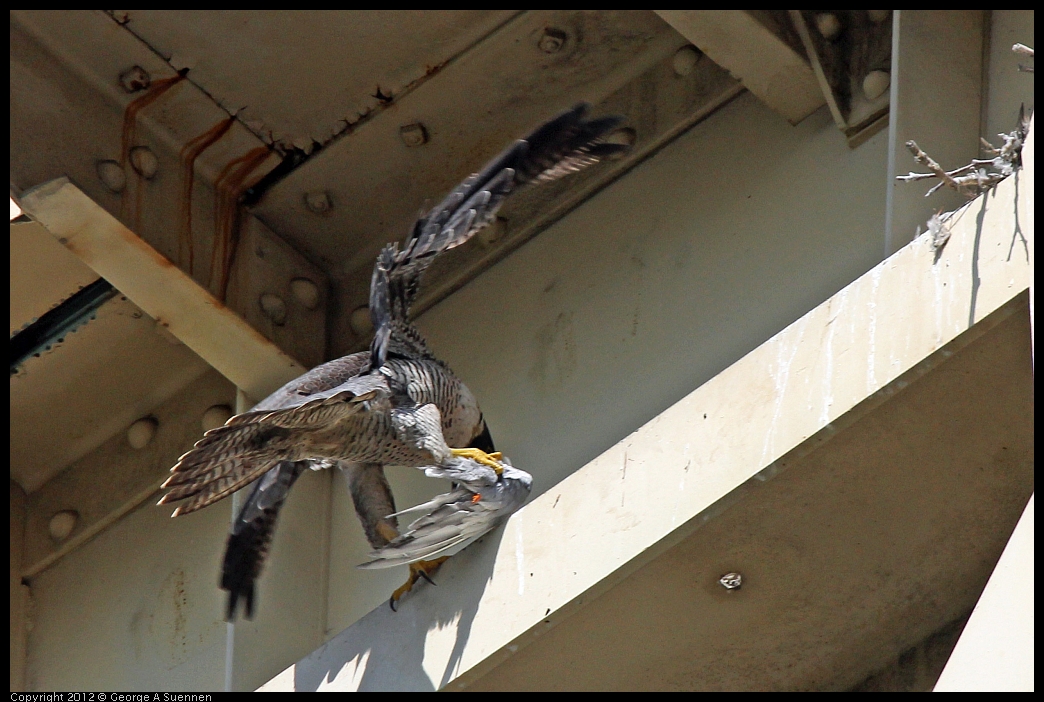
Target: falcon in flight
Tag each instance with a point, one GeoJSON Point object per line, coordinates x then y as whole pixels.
{"type": "Point", "coordinates": [396, 404]}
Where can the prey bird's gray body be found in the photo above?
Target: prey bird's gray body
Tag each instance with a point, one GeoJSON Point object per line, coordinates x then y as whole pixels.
{"type": "Point", "coordinates": [396, 404]}
{"type": "Point", "coordinates": [479, 501]}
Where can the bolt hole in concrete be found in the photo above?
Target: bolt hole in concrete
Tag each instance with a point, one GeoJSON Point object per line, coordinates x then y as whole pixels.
{"type": "Point", "coordinates": [413, 135]}
{"type": "Point", "coordinates": [552, 40]}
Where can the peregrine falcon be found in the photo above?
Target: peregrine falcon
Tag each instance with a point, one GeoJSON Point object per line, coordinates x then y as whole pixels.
{"type": "Point", "coordinates": [396, 404]}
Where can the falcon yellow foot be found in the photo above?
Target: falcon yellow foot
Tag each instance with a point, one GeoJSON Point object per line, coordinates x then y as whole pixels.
{"type": "Point", "coordinates": [418, 570]}
{"type": "Point", "coordinates": [487, 459]}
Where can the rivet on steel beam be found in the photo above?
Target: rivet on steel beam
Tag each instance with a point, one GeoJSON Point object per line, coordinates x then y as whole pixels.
{"type": "Point", "coordinates": [878, 16]}
{"type": "Point", "coordinates": [685, 59]}
{"type": "Point", "coordinates": [306, 292]}
{"type": "Point", "coordinates": [274, 307]}
{"type": "Point", "coordinates": [552, 40]}
{"type": "Point", "coordinates": [875, 83]}
{"type": "Point", "coordinates": [360, 321]}
{"type": "Point", "coordinates": [318, 201]}
{"type": "Point", "coordinates": [215, 417]}
{"type": "Point", "coordinates": [828, 25]}
{"type": "Point", "coordinates": [141, 432]}
{"type": "Point", "coordinates": [144, 161]}
{"type": "Point", "coordinates": [112, 176]}
{"type": "Point", "coordinates": [62, 524]}
{"type": "Point", "coordinates": [413, 135]}
{"type": "Point", "coordinates": [134, 79]}
{"type": "Point", "coordinates": [626, 136]}
{"type": "Point", "coordinates": [731, 581]}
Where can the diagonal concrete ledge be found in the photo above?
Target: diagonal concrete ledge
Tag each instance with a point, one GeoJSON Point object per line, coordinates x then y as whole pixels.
{"type": "Point", "coordinates": [684, 468]}
{"type": "Point", "coordinates": [161, 289]}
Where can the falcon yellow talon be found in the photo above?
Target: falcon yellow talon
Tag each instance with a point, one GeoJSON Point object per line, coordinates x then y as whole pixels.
{"type": "Point", "coordinates": [418, 570]}
{"type": "Point", "coordinates": [480, 456]}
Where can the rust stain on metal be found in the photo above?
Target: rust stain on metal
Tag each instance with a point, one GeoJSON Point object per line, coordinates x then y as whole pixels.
{"type": "Point", "coordinates": [127, 138]}
{"type": "Point", "coordinates": [188, 155]}
{"type": "Point", "coordinates": [231, 183]}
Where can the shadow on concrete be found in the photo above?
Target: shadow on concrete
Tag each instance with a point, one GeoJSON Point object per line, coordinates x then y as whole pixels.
{"type": "Point", "coordinates": [385, 650]}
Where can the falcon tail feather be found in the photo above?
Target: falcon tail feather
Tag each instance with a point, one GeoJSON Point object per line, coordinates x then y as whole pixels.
{"type": "Point", "coordinates": [251, 536]}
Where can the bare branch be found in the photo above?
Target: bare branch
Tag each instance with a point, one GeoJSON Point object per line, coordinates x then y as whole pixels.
{"type": "Point", "coordinates": [929, 163]}
{"type": "Point", "coordinates": [982, 173]}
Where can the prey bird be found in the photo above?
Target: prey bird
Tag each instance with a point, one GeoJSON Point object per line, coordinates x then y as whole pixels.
{"type": "Point", "coordinates": [396, 404]}
{"type": "Point", "coordinates": [482, 497]}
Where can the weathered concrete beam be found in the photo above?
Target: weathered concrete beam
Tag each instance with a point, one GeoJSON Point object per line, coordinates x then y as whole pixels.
{"type": "Point", "coordinates": [162, 290]}
{"type": "Point", "coordinates": [686, 468]}
{"type": "Point", "coordinates": [995, 651]}
{"type": "Point", "coordinates": [766, 65]}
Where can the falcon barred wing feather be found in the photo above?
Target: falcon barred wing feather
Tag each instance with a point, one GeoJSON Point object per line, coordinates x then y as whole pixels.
{"type": "Point", "coordinates": [562, 146]}
{"type": "Point", "coordinates": [231, 456]}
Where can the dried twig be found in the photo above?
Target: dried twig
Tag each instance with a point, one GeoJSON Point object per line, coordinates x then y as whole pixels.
{"type": "Point", "coordinates": [982, 173]}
